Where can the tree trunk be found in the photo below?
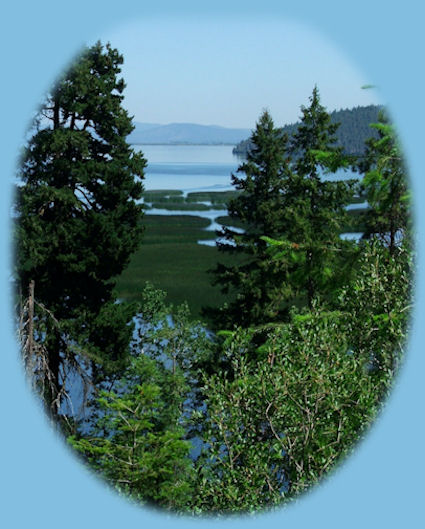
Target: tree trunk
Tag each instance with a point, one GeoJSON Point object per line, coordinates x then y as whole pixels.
{"type": "Point", "coordinates": [53, 385]}
{"type": "Point", "coordinates": [56, 114]}
{"type": "Point", "coordinates": [310, 281]}
{"type": "Point", "coordinates": [30, 342]}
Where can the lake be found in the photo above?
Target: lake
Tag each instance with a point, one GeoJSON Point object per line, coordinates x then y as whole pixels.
{"type": "Point", "coordinates": [189, 167]}
{"type": "Point", "coordinates": [196, 167]}
{"type": "Point", "coordinates": [192, 168]}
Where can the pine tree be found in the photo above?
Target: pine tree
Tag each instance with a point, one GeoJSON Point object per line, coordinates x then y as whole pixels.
{"type": "Point", "coordinates": [257, 282]}
{"type": "Point", "coordinates": [137, 443]}
{"type": "Point", "coordinates": [78, 217]}
{"type": "Point", "coordinates": [385, 186]}
{"type": "Point", "coordinates": [318, 205]}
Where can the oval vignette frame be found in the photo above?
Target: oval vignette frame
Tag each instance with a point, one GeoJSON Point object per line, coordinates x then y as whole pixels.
{"type": "Point", "coordinates": [37, 467]}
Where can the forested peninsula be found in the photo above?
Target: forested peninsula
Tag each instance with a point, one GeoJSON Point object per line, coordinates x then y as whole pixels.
{"type": "Point", "coordinates": [251, 405]}
{"type": "Point", "coordinates": [351, 135]}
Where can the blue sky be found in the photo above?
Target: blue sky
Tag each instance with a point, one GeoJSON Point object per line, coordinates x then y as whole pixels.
{"type": "Point", "coordinates": [225, 71]}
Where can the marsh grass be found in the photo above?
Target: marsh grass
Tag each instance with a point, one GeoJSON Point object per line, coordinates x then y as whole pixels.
{"type": "Point", "coordinates": [181, 206]}
{"type": "Point", "coordinates": [172, 260]}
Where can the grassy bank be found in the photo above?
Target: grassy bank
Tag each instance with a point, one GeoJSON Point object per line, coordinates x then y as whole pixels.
{"type": "Point", "coordinates": [180, 206]}
{"type": "Point", "coordinates": [173, 199]}
{"type": "Point", "coordinates": [215, 197]}
{"type": "Point", "coordinates": [171, 259]}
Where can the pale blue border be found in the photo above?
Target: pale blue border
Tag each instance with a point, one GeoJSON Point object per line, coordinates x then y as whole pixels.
{"type": "Point", "coordinates": [382, 483]}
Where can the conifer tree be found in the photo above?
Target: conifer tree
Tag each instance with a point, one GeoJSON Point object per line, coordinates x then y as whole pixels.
{"type": "Point", "coordinates": [289, 198]}
{"type": "Point", "coordinates": [257, 282]}
{"type": "Point", "coordinates": [78, 217]}
{"type": "Point", "coordinates": [385, 185]}
{"type": "Point", "coordinates": [318, 205]}
{"type": "Point", "coordinates": [137, 443]}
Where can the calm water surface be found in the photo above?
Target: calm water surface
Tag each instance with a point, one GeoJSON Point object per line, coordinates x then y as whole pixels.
{"type": "Point", "coordinates": [192, 168]}
{"type": "Point", "coordinates": [189, 167]}
{"type": "Point", "coordinates": [196, 167]}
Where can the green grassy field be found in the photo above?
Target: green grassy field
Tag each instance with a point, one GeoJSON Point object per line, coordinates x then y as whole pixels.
{"type": "Point", "coordinates": [180, 206]}
{"type": "Point", "coordinates": [159, 194]}
{"type": "Point", "coordinates": [173, 200]}
{"type": "Point", "coordinates": [171, 259]}
{"type": "Point", "coordinates": [215, 197]}
{"type": "Point", "coordinates": [355, 221]}
{"type": "Point", "coordinates": [228, 221]}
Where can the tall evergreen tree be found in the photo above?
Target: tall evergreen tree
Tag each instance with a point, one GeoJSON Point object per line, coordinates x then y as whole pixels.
{"type": "Point", "coordinates": [78, 217]}
{"type": "Point", "coordinates": [385, 185]}
{"type": "Point", "coordinates": [318, 205]}
{"type": "Point", "coordinates": [289, 198]}
{"type": "Point", "coordinates": [257, 282]}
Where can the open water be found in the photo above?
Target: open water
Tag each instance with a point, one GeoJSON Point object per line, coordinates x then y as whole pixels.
{"type": "Point", "coordinates": [191, 168]}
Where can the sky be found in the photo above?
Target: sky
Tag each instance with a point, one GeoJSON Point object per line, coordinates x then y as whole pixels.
{"type": "Point", "coordinates": [224, 72]}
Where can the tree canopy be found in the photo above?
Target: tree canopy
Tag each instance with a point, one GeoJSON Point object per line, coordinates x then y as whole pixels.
{"type": "Point", "coordinates": [285, 197]}
{"type": "Point", "coordinates": [252, 414]}
{"type": "Point", "coordinates": [385, 185]}
{"type": "Point", "coordinates": [261, 209]}
{"type": "Point", "coordinates": [78, 213]}
{"type": "Point", "coordinates": [317, 204]}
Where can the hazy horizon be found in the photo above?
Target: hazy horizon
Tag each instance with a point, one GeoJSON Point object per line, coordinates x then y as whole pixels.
{"type": "Point", "coordinates": [226, 72]}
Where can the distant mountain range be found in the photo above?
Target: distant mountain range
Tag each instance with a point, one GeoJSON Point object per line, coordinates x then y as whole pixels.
{"type": "Point", "coordinates": [185, 133]}
{"type": "Point", "coordinates": [353, 131]}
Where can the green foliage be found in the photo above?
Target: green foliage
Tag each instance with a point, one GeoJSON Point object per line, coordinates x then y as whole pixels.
{"type": "Point", "coordinates": [287, 199]}
{"type": "Point", "coordinates": [137, 439]}
{"type": "Point", "coordinates": [137, 444]}
{"type": "Point", "coordinates": [385, 186]}
{"type": "Point", "coordinates": [272, 424]}
{"type": "Point", "coordinates": [379, 301]}
{"type": "Point", "coordinates": [260, 207]}
{"type": "Point", "coordinates": [78, 216]}
{"type": "Point", "coordinates": [169, 334]}
{"type": "Point", "coordinates": [275, 426]}
{"type": "Point", "coordinates": [316, 207]}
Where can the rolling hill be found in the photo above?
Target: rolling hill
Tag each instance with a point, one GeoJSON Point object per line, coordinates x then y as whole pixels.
{"type": "Point", "coordinates": [351, 135]}
{"type": "Point", "coordinates": [185, 133]}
